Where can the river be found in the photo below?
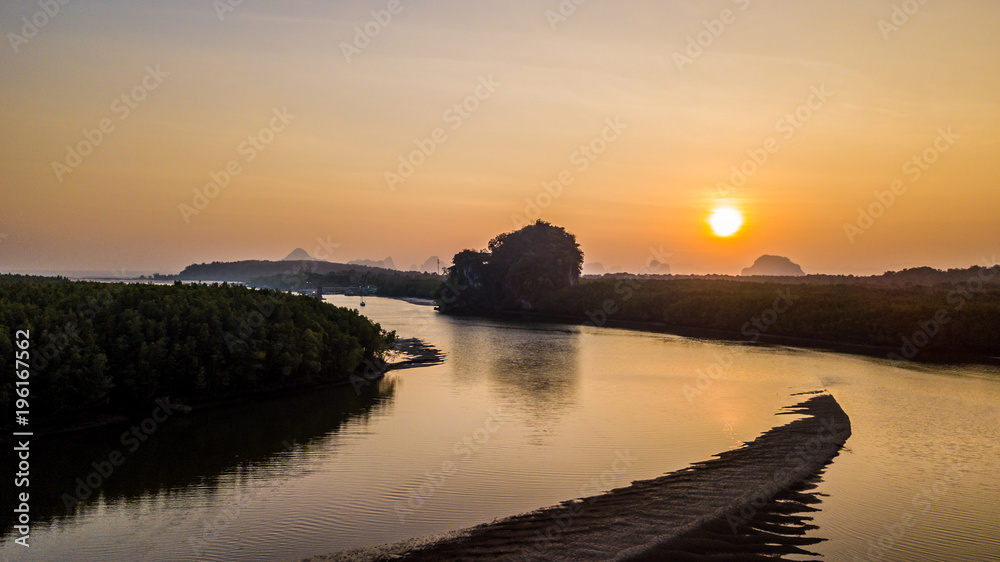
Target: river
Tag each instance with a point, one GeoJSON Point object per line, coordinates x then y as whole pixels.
{"type": "Point", "coordinates": [521, 416]}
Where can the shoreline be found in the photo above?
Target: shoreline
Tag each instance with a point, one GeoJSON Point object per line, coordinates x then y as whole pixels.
{"type": "Point", "coordinates": [712, 508]}
{"type": "Point", "coordinates": [415, 300]}
{"type": "Point", "coordinates": [868, 350]}
{"type": "Point", "coordinates": [410, 353]}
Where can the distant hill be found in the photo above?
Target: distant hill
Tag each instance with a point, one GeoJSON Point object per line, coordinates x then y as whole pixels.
{"type": "Point", "coordinates": [245, 271]}
{"type": "Point", "coordinates": [656, 266]}
{"type": "Point", "coordinates": [299, 255]}
{"type": "Point", "coordinates": [431, 264]}
{"type": "Point", "coordinates": [774, 266]}
{"type": "Point", "coordinates": [387, 263]}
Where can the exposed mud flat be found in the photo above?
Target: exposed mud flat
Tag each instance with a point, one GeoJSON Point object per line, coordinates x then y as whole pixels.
{"type": "Point", "coordinates": [413, 352]}
{"type": "Point", "coordinates": [745, 504]}
{"type": "Point", "coordinates": [416, 300]}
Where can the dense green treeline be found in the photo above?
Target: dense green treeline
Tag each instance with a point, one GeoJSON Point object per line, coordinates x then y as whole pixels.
{"type": "Point", "coordinates": [101, 348]}
{"type": "Point", "coordinates": [961, 318]}
{"type": "Point", "coordinates": [535, 270]}
{"type": "Point", "coordinates": [307, 275]}
{"type": "Point", "coordinates": [389, 283]}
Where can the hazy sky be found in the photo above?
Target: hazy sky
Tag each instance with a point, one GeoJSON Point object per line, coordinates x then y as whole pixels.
{"type": "Point", "coordinates": [310, 104]}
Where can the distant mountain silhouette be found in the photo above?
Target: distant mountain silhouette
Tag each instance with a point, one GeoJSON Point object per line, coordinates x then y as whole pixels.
{"type": "Point", "coordinates": [299, 255]}
{"type": "Point", "coordinates": [595, 268]}
{"type": "Point", "coordinates": [245, 271]}
{"type": "Point", "coordinates": [431, 265]}
{"type": "Point", "coordinates": [774, 266]}
{"type": "Point", "coordinates": [387, 263]}
{"type": "Point", "coordinates": [656, 266]}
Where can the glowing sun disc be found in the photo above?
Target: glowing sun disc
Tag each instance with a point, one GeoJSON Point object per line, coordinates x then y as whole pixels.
{"type": "Point", "coordinates": [725, 221]}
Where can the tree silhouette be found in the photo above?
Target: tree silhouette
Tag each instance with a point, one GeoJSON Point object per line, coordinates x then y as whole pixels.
{"type": "Point", "coordinates": [516, 271]}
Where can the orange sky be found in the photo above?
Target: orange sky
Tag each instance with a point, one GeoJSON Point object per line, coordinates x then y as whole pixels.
{"type": "Point", "coordinates": [671, 96]}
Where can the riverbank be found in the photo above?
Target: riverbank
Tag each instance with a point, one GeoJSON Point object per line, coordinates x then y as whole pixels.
{"type": "Point", "coordinates": [416, 300]}
{"type": "Point", "coordinates": [112, 348]}
{"type": "Point", "coordinates": [883, 352]}
{"type": "Point", "coordinates": [407, 353]}
{"type": "Point", "coordinates": [943, 323]}
{"type": "Point", "coordinates": [718, 507]}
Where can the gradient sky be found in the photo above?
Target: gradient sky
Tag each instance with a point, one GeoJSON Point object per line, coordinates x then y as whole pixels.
{"type": "Point", "coordinates": [891, 90]}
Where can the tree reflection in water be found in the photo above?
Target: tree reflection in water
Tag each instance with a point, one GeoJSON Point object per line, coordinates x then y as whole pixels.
{"type": "Point", "coordinates": [193, 456]}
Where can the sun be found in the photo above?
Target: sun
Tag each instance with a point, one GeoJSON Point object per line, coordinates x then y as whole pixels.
{"type": "Point", "coordinates": [725, 221]}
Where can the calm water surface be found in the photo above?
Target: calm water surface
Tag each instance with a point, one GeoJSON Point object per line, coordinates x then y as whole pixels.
{"type": "Point", "coordinates": [520, 417]}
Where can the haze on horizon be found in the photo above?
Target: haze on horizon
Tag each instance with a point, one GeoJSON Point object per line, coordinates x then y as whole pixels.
{"type": "Point", "coordinates": [837, 97]}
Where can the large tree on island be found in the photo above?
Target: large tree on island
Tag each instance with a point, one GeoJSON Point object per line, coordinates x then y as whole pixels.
{"type": "Point", "coordinates": [515, 271]}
